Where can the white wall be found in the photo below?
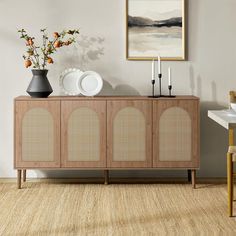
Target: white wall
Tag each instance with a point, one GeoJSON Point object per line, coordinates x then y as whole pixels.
{"type": "Point", "coordinates": [209, 73]}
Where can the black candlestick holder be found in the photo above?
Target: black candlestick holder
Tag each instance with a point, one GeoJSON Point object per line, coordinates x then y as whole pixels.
{"type": "Point", "coordinates": [160, 77]}
{"type": "Point", "coordinates": [170, 95]}
{"type": "Point", "coordinates": [153, 90]}
{"type": "Point", "coordinates": [160, 87]}
{"type": "Point", "coordinates": [160, 95]}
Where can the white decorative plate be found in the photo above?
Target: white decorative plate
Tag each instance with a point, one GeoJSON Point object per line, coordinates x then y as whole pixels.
{"type": "Point", "coordinates": [69, 80]}
{"type": "Point", "coordinates": [90, 83]}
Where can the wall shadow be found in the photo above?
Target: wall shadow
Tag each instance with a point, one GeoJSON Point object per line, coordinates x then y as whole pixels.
{"type": "Point", "coordinates": [199, 86]}
{"type": "Point", "coordinates": [118, 90]}
{"type": "Point", "coordinates": [214, 143]}
{"type": "Point", "coordinates": [80, 55]}
{"type": "Point", "coordinates": [195, 82]}
{"type": "Point", "coordinates": [191, 79]}
{"type": "Point", "coordinates": [213, 137]}
{"type": "Point", "coordinates": [87, 50]}
{"type": "Point", "coordinates": [192, 9]}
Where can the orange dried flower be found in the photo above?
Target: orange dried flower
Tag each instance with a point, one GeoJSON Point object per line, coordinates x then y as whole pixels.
{"type": "Point", "coordinates": [56, 35]}
{"type": "Point", "coordinates": [67, 43]}
{"type": "Point", "coordinates": [50, 60]}
{"type": "Point", "coordinates": [57, 44]}
{"type": "Point", "coordinates": [30, 42]}
{"type": "Point", "coordinates": [28, 63]}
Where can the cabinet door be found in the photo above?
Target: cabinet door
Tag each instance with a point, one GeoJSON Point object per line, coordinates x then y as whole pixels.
{"type": "Point", "coordinates": [129, 134]}
{"type": "Point", "coordinates": [37, 134]}
{"type": "Point", "coordinates": [83, 134]}
{"type": "Point", "coordinates": [176, 133]}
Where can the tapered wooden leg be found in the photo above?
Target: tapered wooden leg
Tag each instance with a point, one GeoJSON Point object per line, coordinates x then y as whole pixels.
{"type": "Point", "coordinates": [193, 177]}
{"type": "Point", "coordinates": [106, 177]}
{"type": "Point", "coordinates": [230, 183]}
{"type": "Point", "coordinates": [19, 179]}
{"type": "Point", "coordinates": [24, 175]}
{"type": "Point", "coordinates": [189, 176]}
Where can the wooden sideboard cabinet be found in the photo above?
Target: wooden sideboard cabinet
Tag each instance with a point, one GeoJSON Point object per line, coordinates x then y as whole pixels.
{"type": "Point", "coordinates": [106, 133]}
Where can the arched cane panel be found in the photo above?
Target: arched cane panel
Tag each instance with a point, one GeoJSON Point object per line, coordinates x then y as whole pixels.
{"type": "Point", "coordinates": [37, 135]}
{"type": "Point", "coordinates": [129, 135]}
{"type": "Point", "coordinates": [175, 135]}
{"type": "Point", "coordinates": [83, 135]}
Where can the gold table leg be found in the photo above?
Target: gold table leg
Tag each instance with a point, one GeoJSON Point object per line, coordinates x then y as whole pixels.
{"type": "Point", "coordinates": [231, 137]}
{"type": "Point", "coordinates": [230, 174]}
{"type": "Point", "coordinates": [230, 183]}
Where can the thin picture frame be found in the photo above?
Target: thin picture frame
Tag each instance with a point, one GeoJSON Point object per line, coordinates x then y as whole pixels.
{"type": "Point", "coordinates": [182, 57]}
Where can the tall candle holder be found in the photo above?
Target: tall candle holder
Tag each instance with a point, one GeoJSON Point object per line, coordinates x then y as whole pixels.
{"type": "Point", "coordinates": [170, 95]}
{"type": "Point", "coordinates": [153, 90]}
{"type": "Point", "coordinates": [160, 89]}
{"type": "Point", "coordinates": [160, 77]}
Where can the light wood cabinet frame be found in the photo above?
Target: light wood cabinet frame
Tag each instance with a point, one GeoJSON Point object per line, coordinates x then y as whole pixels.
{"type": "Point", "coordinates": [114, 107]}
{"type": "Point", "coordinates": [21, 107]}
{"type": "Point", "coordinates": [106, 109]}
{"type": "Point", "coordinates": [192, 108]}
{"type": "Point", "coordinates": [67, 107]}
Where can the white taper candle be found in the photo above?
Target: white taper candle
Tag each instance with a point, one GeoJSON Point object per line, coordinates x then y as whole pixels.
{"type": "Point", "coordinates": [169, 76]}
{"type": "Point", "coordinates": [159, 64]}
{"type": "Point", "coordinates": [153, 69]}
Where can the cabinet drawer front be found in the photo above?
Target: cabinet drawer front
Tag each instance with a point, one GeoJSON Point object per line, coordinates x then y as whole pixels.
{"type": "Point", "coordinates": [84, 134]}
{"type": "Point", "coordinates": [129, 134]}
{"type": "Point", "coordinates": [176, 134]}
{"type": "Point", "coordinates": [37, 135]}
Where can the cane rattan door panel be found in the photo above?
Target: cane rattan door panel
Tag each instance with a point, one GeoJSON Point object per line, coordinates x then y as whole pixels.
{"type": "Point", "coordinates": [83, 134]}
{"type": "Point", "coordinates": [175, 141]}
{"type": "Point", "coordinates": [129, 134]}
{"type": "Point", "coordinates": [37, 134]}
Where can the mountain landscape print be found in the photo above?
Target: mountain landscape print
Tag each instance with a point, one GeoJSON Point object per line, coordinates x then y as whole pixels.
{"type": "Point", "coordinates": [155, 27]}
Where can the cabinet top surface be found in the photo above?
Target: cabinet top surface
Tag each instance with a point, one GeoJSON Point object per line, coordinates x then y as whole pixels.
{"type": "Point", "coordinates": [81, 98]}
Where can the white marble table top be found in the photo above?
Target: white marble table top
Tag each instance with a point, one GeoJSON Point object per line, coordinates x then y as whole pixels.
{"type": "Point", "coordinates": [225, 118]}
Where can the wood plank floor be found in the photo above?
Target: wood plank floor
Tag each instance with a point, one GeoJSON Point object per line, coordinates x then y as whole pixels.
{"type": "Point", "coordinates": [117, 209]}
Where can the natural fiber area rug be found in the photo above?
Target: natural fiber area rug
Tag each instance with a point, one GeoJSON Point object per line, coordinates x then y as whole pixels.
{"type": "Point", "coordinates": [116, 209]}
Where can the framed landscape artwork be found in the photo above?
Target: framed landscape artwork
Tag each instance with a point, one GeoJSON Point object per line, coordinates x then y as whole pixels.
{"type": "Point", "coordinates": [155, 27]}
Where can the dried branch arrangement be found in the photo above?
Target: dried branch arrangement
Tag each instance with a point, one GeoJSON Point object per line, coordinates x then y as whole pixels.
{"type": "Point", "coordinates": [40, 56]}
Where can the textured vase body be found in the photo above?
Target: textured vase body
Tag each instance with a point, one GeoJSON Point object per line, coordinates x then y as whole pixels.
{"type": "Point", "coordinates": [39, 86]}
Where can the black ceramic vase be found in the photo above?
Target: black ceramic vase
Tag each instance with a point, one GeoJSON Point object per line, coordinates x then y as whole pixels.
{"type": "Point", "coordinates": [39, 86]}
